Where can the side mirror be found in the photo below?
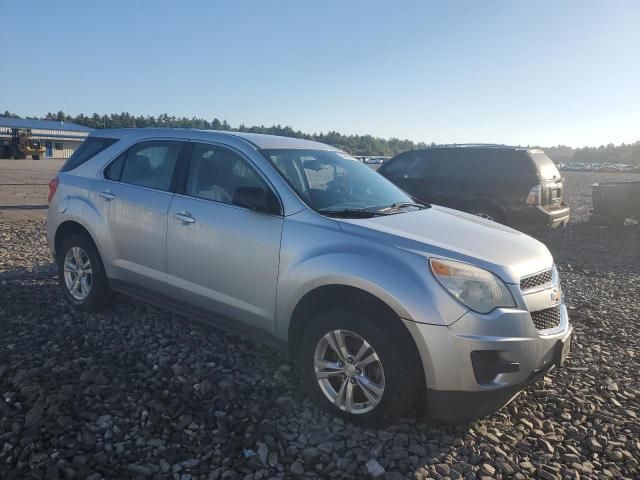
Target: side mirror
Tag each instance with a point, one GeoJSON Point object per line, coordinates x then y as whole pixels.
{"type": "Point", "coordinates": [256, 198]}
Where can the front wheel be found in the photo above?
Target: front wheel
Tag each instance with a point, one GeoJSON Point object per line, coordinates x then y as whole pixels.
{"type": "Point", "coordinates": [81, 273]}
{"type": "Point", "coordinates": [360, 366]}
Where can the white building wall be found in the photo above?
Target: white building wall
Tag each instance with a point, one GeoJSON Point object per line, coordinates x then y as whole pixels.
{"type": "Point", "coordinates": [68, 147]}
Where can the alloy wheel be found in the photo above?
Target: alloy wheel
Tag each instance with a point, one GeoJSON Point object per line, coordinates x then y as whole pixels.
{"type": "Point", "coordinates": [77, 273]}
{"type": "Point", "coordinates": [349, 371]}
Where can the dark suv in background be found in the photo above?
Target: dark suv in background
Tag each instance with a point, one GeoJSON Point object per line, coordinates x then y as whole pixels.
{"type": "Point", "coordinates": [515, 186]}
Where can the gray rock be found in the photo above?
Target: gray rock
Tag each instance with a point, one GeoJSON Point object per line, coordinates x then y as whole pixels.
{"type": "Point", "coordinates": [144, 470]}
{"type": "Point", "coordinates": [615, 455]}
{"type": "Point", "coordinates": [263, 453]}
{"type": "Point", "coordinates": [297, 468]}
{"type": "Point", "coordinates": [570, 458]}
{"type": "Point", "coordinates": [487, 469]}
{"type": "Point", "coordinates": [594, 445]}
{"type": "Point", "coordinates": [374, 469]}
{"type": "Point", "coordinates": [545, 475]}
{"type": "Point", "coordinates": [34, 416]}
{"type": "Point", "coordinates": [326, 447]}
{"type": "Point", "coordinates": [311, 455]}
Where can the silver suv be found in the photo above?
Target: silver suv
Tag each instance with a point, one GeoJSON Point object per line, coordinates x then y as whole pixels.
{"type": "Point", "coordinates": [381, 301]}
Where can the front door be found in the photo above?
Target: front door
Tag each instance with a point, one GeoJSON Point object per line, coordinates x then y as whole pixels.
{"type": "Point", "coordinates": [135, 199]}
{"type": "Point", "coordinates": [48, 149]}
{"type": "Point", "coordinates": [221, 256]}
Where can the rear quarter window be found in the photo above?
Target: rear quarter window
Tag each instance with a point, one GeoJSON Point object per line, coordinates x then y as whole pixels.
{"type": "Point", "coordinates": [89, 149]}
{"type": "Point", "coordinates": [490, 165]}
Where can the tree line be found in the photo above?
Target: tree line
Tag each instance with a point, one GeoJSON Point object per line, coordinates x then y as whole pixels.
{"type": "Point", "coordinates": [626, 153]}
{"type": "Point", "coordinates": [354, 144]}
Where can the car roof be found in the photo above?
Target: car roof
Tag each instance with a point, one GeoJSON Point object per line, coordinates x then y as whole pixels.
{"type": "Point", "coordinates": [257, 140]}
{"type": "Point", "coordinates": [474, 146]}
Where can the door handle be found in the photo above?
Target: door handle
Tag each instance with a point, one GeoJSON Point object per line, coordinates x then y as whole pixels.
{"type": "Point", "coordinates": [108, 196]}
{"type": "Point", "coordinates": [184, 217]}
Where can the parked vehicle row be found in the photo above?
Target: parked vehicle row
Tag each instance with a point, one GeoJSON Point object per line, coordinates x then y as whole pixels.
{"type": "Point", "coordinates": [372, 160]}
{"type": "Point", "coordinates": [382, 300]}
{"type": "Point", "coordinates": [598, 167]}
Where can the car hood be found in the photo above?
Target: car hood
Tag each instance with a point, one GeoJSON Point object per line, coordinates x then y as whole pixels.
{"type": "Point", "coordinates": [443, 232]}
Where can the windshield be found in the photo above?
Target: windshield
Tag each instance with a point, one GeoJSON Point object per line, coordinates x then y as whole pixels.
{"type": "Point", "coordinates": [331, 181]}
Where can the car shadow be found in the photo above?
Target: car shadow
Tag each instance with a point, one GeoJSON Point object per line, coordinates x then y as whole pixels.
{"type": "Point", "coordinates": [167, 380]}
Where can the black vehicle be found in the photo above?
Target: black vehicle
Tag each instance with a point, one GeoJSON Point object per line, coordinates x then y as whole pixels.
{"type": "Point", "coordinates": [515, 186]}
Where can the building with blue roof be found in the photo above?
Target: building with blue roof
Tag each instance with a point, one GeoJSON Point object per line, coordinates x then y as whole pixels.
{"type": "Point", "coordinates": [59, 139]}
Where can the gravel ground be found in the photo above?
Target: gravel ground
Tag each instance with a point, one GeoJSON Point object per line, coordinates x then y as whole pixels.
{"type": "Point", "coordinates": [136, 392]}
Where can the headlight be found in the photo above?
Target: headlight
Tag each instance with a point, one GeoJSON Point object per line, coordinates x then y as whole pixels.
{"type": "Point", "coordinates": [474, 287]}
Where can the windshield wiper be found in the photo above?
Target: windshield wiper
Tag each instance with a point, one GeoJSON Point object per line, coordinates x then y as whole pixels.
{"type": "Point", "coordinates": [352, 213]}
{"type": "Point", "coordinates": [399, 205]}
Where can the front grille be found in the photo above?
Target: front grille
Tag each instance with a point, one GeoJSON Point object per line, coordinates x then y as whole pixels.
{"type": "Point", "coordinates": [536, 280]}
{"type": "Point", "coordinates": [547, 318]}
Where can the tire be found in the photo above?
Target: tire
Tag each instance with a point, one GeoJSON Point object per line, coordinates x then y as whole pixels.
{"type": "Point", "coordinates": [97, 294]}
{"type": "Point", "coordinates": [35, 157]}
{"type": "Point", "coordinates": [400, 375]}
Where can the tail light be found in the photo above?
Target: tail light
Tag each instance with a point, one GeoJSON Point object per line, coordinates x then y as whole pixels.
{"type": "Point", "coordinates": [53, 186]}
{"type": "Point", "coordinates": [535, 195]}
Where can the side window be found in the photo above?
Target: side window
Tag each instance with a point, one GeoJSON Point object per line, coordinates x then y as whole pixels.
{"type": "Point", "coordinates": [147, 164]}
{"type": "Point", "coordinates": [215, 173]}
{"type": "Point", "coordinates": [494, 164]}
{"type": "Point", "coordinates": [449, 165]}
{"type": "Point", "coordinates": [411, 165]}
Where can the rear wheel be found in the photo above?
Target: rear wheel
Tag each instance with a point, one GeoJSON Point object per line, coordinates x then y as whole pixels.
{"type": "Point", "coordinates": [81, 273]}
{"type": "Point", "coordinates": [360, 366]}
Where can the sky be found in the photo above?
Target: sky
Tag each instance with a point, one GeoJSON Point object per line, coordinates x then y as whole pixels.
{"type": "Point", "coordinates": [517, 72]}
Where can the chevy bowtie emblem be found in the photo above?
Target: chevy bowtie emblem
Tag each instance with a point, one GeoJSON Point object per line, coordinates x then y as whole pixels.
{"type": "Point", "coordinates": [555, 295]}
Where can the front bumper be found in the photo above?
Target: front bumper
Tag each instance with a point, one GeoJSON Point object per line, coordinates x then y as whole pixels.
{"type": "Point", "coordinates": [457, 390]}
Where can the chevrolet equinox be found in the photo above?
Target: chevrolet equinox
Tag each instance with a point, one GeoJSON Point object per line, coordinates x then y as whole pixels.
{"type": "Point", "coordinates": [385, 304]}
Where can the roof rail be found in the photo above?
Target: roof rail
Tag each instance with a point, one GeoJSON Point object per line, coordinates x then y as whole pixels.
{"type": "Point", "coordinates": [492, 145]}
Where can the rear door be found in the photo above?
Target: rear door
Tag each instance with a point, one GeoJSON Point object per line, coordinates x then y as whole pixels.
{"type": "Point", "coordinates": [221, 256]}
{"type": "Point", "coordinates": [445, 177]}
{"type": "Point", "coordinates": [135, 199]}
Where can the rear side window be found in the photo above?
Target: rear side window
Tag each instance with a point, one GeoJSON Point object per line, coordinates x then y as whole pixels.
{"type": "Point", "coordinates": [89, 148]}
{"type": "Point", "coordinates": [444, 165]}
{"type": "Point", "coordinates": [147, 164]}
{"type": "Point", "coordinates": [473, 165]}
{"type": "Point", "coordinates": [409, 165]}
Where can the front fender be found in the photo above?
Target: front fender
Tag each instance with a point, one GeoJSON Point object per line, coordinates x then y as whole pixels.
{"type": "Point", "coordinates": [404, 284]}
